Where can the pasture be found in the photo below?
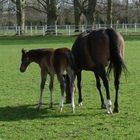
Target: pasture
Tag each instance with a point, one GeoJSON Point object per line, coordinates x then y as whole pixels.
{"type": "Point", "coordinates": [19, 94]}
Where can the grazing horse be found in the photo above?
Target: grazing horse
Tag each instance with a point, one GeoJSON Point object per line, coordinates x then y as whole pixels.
{"type": "Point", "coordinates": [93, 51]}
{"type": "Point", "coordinates": [51, 61]}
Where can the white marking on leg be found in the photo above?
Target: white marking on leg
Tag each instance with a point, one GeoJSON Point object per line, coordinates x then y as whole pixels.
{"type": "Point", "coordinates": [72, 87]}
{"type": "Point", "coordinates": [80, 104]}
{"type": "Point", "coordinates": [61, 103]}
{"type": "Point", "coordinates": [40, 99]}
{"type": "Point", "coordinates": [72, 99]}
{"type": "Point", "coordinates": [108, 107]}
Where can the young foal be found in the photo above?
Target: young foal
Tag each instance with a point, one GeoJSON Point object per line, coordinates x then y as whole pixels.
{"type": "Point", "coordinates": [51, 61]}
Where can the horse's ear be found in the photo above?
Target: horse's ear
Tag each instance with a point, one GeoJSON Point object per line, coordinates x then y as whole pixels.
{"type": "Point", "coordinates": [24, 51]}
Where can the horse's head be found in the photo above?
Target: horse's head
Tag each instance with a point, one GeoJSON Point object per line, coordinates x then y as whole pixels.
{"type": "Point", "coordinates": [25, 61]}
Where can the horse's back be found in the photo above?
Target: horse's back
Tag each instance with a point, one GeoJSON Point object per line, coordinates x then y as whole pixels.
{"type": "Point", "coordinates": [46, 59]}
{"type": "Point", "coordinates": [60, 61]}
{"type": "Point", "coordinates": [99, 46]}
{"type": "Point", "coordinates": [91, 49]}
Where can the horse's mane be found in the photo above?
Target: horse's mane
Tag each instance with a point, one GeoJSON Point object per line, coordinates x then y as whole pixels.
{"type": "Point", "coordinates": [38, 52]}
{"type": "Point", "coordinates": [33, 51]}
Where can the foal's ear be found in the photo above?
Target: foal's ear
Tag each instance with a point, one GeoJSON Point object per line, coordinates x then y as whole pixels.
{"type": "Point", "coordinates": [24, 51]}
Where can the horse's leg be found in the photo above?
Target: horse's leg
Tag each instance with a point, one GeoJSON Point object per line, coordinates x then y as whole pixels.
{"type": "Point", "coordinates": [67, 88]}
{"type": "Point", "coordinates": [98, 84]}
{"type": "Point", "coordinates": [72, 78]}
{"type": "Point", "coordinates": [116, 83]}
{"type": "Point", "coordinates": [102, 73]}
{"type": "Point", "coordinates": [42, 84]}
{"type": "Point", "coordinates": [79, 85]}
{"type": "Point", "coordinates": [62, 87]}
{"type": "Point", "coordinates": [51, 89]}
{"type": "Point", "coordinates": [72, 97]}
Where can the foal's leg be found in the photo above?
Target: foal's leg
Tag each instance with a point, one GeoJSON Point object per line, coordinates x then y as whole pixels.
{"type": "Point", "coordinates": [102, 73]}
{"type": "Point", "coordinates": [42, 84]}
{"type": "Point", "coordinates": [79, 85]}
{"type": "Point", "coordinates": [62, 87]}
{"type": "Point", "coordinates": [98, 84]}
{"type": "Point", "coordinates": [51, 89]}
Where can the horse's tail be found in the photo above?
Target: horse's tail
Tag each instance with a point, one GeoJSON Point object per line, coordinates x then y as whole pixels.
{"type": "Point", "coordinates": [71, 60]}
{"type": "Point", "coordinates": [116, 60]}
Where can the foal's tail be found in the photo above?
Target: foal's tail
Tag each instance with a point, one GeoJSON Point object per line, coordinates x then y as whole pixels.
{"type": "Point", "coordinates": [71, 60]}
{"type": "Point", "coordinates": [116, 60]}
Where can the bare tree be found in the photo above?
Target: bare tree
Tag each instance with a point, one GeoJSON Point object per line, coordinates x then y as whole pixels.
{"type": "Point", "coordinates": [20, 14]}
{"type": "Point", "coordinates": [87, 7]}
{"type": "Point", "coordinates": [2, 3]}
{"type": "Point", "coordinates": [49, 8]}
{"type": "Point", "coordinates": [109, 13]}
{"type": "Point", "coordinates": [89, 10]}
{"type": "Point", "coordinates": [77, 14]}
{"type": "Point", "coordinates": [51, 14]}
{"type": "Point", "coordinates": [126, 11]}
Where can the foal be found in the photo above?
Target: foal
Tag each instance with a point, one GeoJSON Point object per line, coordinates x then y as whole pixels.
{"type": "Point", "coordinates": [51, 61]}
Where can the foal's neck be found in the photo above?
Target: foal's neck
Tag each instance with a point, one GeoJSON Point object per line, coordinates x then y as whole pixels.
{"type": "Point", "coordinates": [35, 56]}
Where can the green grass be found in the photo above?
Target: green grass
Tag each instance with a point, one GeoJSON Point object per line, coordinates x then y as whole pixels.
{"type": "Point", "coordinates": [19, 94]}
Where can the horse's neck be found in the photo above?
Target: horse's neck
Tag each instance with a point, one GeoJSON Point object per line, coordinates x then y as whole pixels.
{"type": "Point", "coordinates": [35, 58]}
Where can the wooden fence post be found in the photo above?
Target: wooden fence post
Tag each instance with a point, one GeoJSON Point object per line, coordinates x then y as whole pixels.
{"type": "Point", "coordinates": [56, 31]}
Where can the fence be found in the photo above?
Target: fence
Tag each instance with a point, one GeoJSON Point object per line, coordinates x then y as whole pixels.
{"type": "Point", "coordinates": [64, 29]}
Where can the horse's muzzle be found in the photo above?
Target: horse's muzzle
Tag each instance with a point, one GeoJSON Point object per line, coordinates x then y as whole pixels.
{"type": "Point", "coordinates": [22, 69]}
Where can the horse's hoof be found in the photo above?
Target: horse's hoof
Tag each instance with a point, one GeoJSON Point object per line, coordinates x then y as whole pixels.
{"type": "Point", "coordinates": [73, 110]}
{"type": "Point", "coordinates": [61, 109]}
{"type": "Point", "coordinates": [116, 110]}
{"type": "Point", "coordinates": [68, 102]}
{"type": "Point", "coordinates": [51, 105]}
{"type": "Point", "coordinates": [109, 112]}
{"type": "Point", "coordinates": [39, 106]}
{"type": "Point", "coordinates": [103, 106]}
{"type": "Point", "coordinates": [38, 109]}
{"type": "Point", "coordinates": [80, 104]}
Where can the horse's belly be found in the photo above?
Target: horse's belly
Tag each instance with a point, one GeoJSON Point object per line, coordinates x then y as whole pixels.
{"type": "Point", "coordinates": [87, 65]}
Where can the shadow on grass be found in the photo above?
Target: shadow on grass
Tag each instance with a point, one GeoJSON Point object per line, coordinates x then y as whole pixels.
{"type": "Point", "coordinates": [29, 112]}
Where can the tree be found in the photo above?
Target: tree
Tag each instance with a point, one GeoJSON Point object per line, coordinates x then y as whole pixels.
{"type": "Point", "coordinates": [126, 17]}
{"type": "Point", "coordinates": [51, 15]}
{"type": "Point", "coordinates": [20, 14]}
{"type": "Point", "coordinates": [49, 8]}
{"type": "Point", "coordinates": [109, 13]}
{"type": "Point", "coordinates": [77, 14]}
{"type": "Point", "coordinates": [87, 7]}
{"type": "Point", "coordinates": [89, 10]}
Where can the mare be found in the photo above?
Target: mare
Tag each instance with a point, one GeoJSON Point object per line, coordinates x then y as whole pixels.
{"type": "Point", "coordinates": [51, 61]}
{"type": "Point", "coordinates": [94, 51]}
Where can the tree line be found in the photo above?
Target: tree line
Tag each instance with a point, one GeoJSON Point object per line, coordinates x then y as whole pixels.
{"type": "Point", "coordinates": [89, 12]}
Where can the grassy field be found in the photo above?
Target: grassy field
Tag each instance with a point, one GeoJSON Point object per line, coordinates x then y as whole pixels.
{"type": "Point", "coordinates": [19, 94]}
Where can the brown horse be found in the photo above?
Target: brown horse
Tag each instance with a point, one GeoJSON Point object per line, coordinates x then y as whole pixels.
{"type": "Point", "coordinates": [51, 61]}
{"type": "Point", "coordinates": [93, 51]}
